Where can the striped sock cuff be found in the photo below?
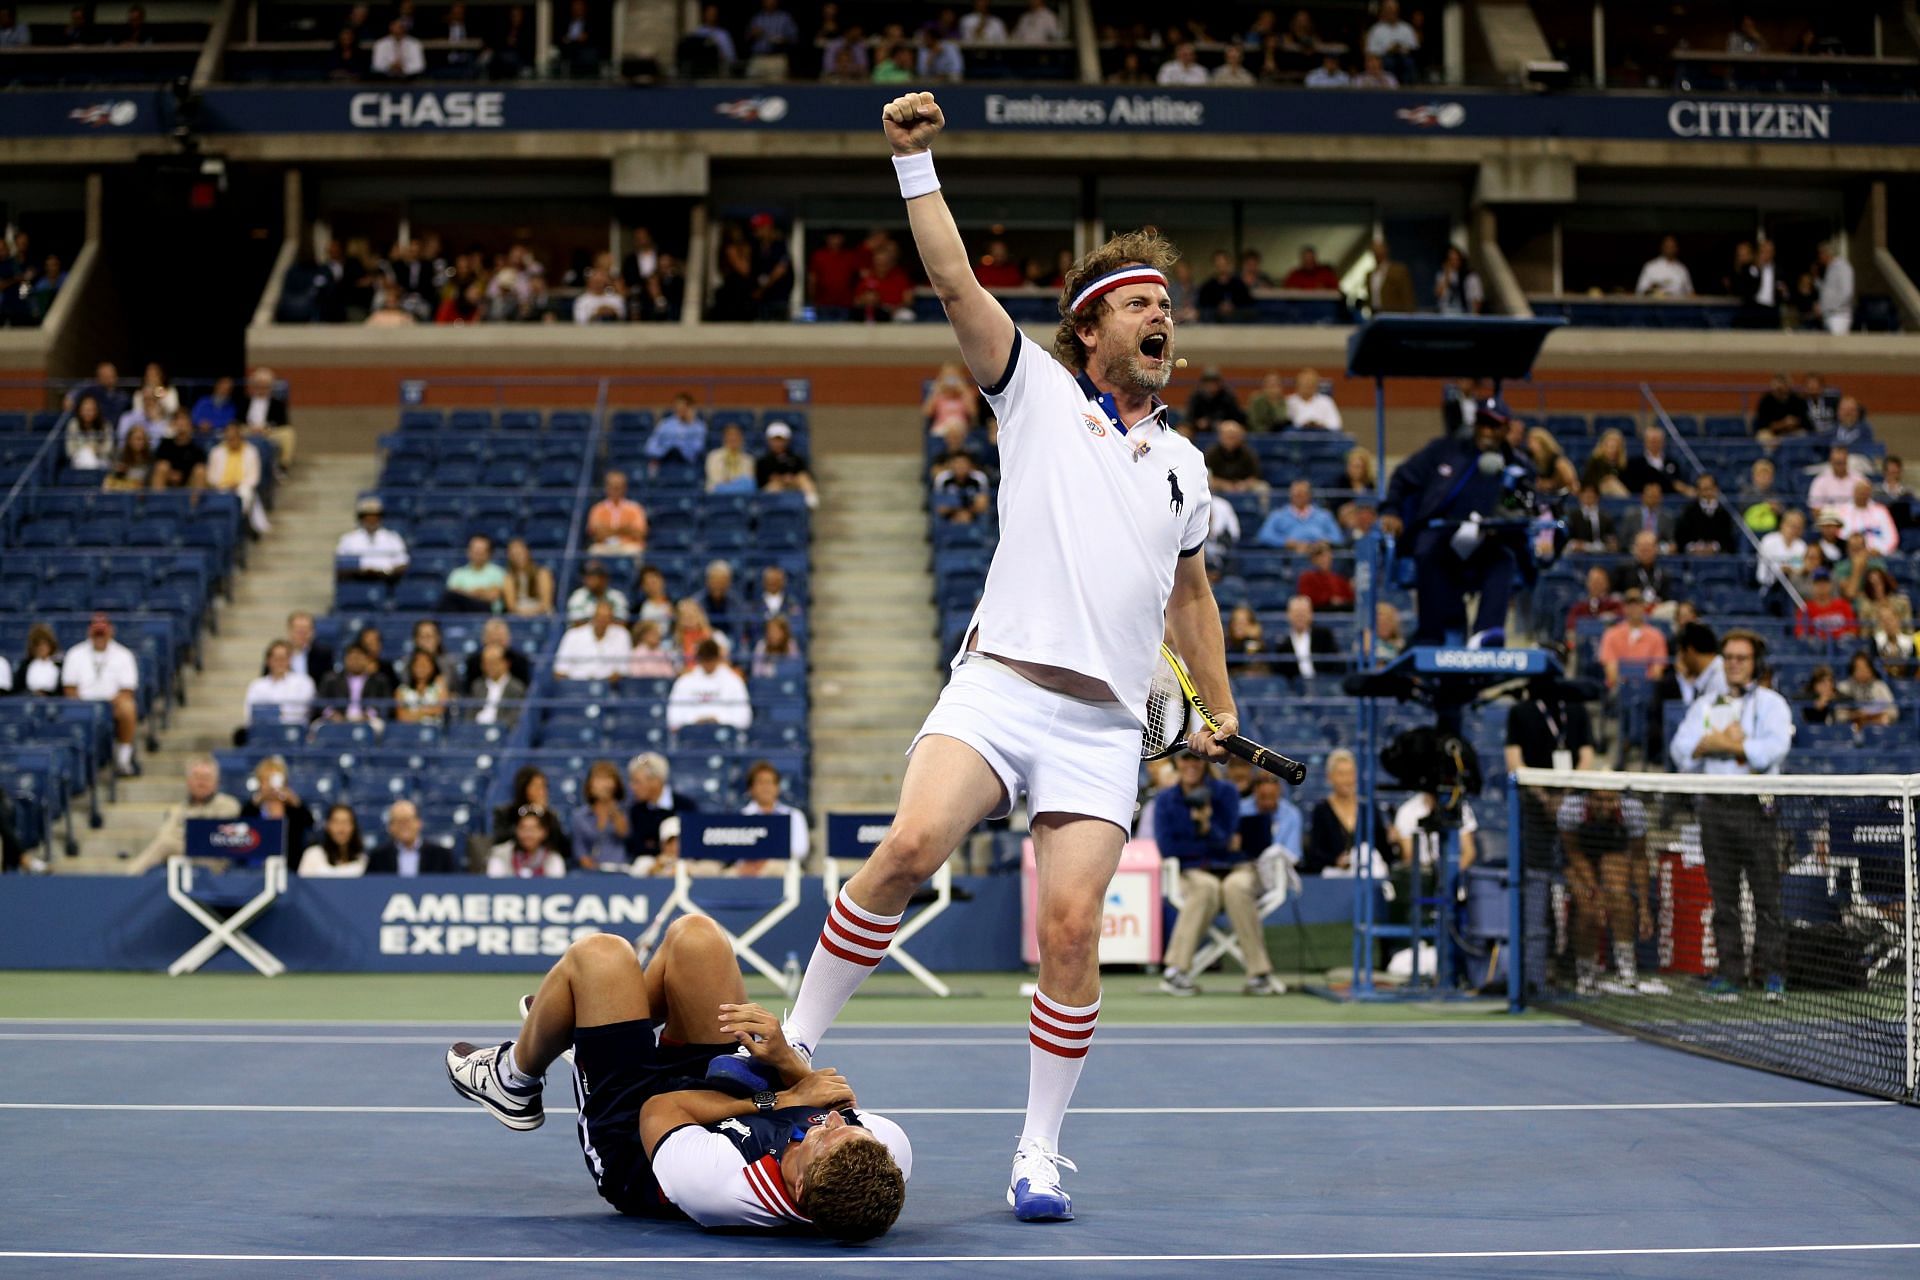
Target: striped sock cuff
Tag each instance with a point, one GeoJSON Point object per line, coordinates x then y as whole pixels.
{"type": "Point", "coordinates": [1065, 1030]}
{"type": "Point", "coordinates": [857, 935]}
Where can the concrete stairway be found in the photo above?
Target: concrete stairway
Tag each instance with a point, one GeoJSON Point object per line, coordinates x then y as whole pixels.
{"type": "Point", "coordinates": [291, 568]}
{"type": "Point", "coordinates": [875, 656]}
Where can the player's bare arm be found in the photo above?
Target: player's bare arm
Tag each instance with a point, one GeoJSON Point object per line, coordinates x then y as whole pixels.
{"type": "Point", "coordinates": [1193, 629]}
{"type": "Point", "coordinates": [669, 1111]}
{"type": "Point", "coordinates": [981, 324]}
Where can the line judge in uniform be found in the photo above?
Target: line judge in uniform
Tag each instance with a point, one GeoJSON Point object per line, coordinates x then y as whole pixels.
{"type": "Point", "coordinates": [1747, 729]}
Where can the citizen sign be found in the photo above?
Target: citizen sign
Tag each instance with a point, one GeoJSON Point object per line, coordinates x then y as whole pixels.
{"type": "Point", "coordinates": [1126, 108]}
{"type": "Point", "coordinates": [459, 110]}
{"type": "Point", "coordinates": [1786, 121]}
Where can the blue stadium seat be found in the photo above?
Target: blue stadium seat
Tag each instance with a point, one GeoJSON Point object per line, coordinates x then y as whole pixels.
{"type": "Point", "coordinates": [520, 420]}
{"type": "Point", "coordinates": [466, 421]}
{"type": "Point", "coordinates": [422, 420]}
{"type": "Point", "coordinates": [353, 594]}
{"type": "Point", "coordinates": [557, 473]}
{"type": "Point", "coordinates": [697, 736]}
{"type": "Point", "coordinates": [505, 473]}
{"type": "Point", "coordinates": [569, 421]}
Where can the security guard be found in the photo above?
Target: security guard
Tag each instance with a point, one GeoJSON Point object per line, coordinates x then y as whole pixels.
{"type": "Point", "coordinates": [1436, 505]}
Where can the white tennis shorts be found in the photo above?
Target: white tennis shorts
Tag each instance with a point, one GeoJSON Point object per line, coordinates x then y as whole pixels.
{"type": "Point", "coordinates": [1070, 755]}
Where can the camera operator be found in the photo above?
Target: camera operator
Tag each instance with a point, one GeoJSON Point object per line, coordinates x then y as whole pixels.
{"type": "Point", "coordinates": [1446, 499]}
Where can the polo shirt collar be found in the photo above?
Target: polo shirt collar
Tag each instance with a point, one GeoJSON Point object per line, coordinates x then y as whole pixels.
{"type": "Point", "coordinates": [1156, 415]}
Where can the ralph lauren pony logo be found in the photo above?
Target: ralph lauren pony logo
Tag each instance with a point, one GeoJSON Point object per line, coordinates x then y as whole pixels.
{"type": "Point", "coordinates": [1177, 502]}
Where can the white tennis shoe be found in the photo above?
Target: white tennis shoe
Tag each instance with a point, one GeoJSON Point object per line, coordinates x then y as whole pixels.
{"type": "Point", "coordinates": [1035, 1192]}
{"type": "Point", "coordinates": [475, 1075]}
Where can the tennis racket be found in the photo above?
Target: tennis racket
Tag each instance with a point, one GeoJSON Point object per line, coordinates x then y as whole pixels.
{"type": "Point", "coordinates": [1175, 709]}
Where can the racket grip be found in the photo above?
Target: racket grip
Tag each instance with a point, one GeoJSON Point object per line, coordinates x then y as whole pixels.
{"type": "Point", "coordinates": [1259, 757]}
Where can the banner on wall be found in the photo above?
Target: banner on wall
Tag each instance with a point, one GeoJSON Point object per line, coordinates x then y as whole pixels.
{"type": "Point", "coordinates": [818, 108]}
{"type": "Point", "coordinates": [438, 924]}
{"type": "Point", "coordinates": [37, 113]}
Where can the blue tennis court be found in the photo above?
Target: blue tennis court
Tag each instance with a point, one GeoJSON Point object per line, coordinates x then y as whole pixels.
{"type": "Point", "coordinates": [1474, 1146]}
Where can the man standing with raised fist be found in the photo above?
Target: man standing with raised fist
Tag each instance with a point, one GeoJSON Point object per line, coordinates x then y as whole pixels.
{"type": "Point", "coordinates": [1103, 512]}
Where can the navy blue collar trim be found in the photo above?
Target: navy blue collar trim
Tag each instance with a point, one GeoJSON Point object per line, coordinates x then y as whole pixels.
{"type": "Point", "coordinates": [1105, 400]}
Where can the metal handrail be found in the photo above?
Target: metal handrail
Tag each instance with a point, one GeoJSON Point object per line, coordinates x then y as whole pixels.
{"type": "Point", "coordinates": [1693, 459]}
{"type": "Point", "coordinates": [33, 474]}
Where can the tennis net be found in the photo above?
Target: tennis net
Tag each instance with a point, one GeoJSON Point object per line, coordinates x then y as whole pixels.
{"type": "Point", "coordinates": [1767, 921]}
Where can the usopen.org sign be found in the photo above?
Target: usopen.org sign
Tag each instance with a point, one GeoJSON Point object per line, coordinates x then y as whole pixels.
{"type": "Point", "coordinates": [500, 924]}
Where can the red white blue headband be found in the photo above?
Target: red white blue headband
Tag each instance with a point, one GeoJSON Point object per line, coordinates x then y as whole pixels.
{"type": "Point", "coordinates": [1135, 274]}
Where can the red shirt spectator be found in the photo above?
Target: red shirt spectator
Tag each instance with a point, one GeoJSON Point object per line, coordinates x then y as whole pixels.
{"type": "Point", "coordinates": [1825, 615]}
{"type": "Point", "coordinates": [833, 271]}
{"type": "Point", "coordinates": [1312, 273]}
{"type": "Point", "coordinates": [1600, 601]}
{"type": "Point", "coordinates": [998, 270]}
{"type": "Point", "coordinates": [883, 287]}
{"type": "Point", "coordinates": [1323, 584]}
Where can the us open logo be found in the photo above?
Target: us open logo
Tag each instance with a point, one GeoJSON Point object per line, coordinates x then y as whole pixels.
{"type": "Point", "coordinates": [1094, 424]}
{"type": "Point", "coordinates": [235, 837]}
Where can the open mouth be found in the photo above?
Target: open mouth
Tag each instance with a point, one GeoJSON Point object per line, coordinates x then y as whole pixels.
{"type": "Point", "coordinates": [1154, 346]}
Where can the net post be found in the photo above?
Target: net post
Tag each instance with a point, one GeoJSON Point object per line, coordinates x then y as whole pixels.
{"type": "Point", "coordinates": [1908, 871]}
{"type": "Point", "coordinates": [1516, 998]}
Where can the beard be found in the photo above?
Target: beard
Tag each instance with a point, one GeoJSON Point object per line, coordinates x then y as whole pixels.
{"type": "Point", "coordinates": [1124, 368]}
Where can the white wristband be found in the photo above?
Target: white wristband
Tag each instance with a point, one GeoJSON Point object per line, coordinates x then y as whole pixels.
{"type": "Point", "coordinates": [916, 174]}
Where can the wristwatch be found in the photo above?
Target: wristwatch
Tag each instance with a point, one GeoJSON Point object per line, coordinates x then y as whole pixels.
{"type": "Point", "coordinates": [764, 1101]}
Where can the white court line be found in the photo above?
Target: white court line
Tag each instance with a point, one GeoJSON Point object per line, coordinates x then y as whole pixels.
{"type": "Point", "coordinates": [849, 1042]}
{"type": "Point", "coordinates": [1527, 1108]}
{"type": "Point", "coordinates": [847, 1258]}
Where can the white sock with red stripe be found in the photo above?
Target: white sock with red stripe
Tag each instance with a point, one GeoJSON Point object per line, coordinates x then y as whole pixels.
{"type": "Point", "coordinates": [851, 944]}
{"type": "Point", "coordinates": [1058, 1036]}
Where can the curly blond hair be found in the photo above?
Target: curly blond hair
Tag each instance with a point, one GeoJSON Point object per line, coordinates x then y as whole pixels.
{"type": "Point", "coordinates": [1146, 247]}
{"type": "Point", "coordinates": [855, 1191]}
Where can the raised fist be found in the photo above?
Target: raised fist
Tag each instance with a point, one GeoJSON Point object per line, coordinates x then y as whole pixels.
{"type": "Point", "coordinates": [910, 121]}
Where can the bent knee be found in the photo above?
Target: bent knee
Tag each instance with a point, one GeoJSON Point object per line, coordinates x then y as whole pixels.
{"type": "Point", "coordinates": [602, 950]}
{"type": "Point", "coordinates": [908, 852]}
{"type": "Point", "coordinates": [695, 931]}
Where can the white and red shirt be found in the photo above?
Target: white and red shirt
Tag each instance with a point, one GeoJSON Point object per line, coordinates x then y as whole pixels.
{"type": "Point", "coordinates": [1093, 519]}
{"type": "Point", "coordinates": [728, 1174]}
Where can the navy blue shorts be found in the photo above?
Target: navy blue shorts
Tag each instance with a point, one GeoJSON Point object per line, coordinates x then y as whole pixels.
{"type": "Point", "coordinates": [616, 1068]}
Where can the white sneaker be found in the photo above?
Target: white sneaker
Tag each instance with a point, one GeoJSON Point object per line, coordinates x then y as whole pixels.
{"type": "Point", "coordinates": [1176, 983]}
{"type": "Point", "coordinates": [475, 1076]}
{"type": "Point", "coordinates": [1034, 1191]}
{"type": "Point", "coordinates": [526, 1007]}
{"type": "Point", "coordinates": [1653, 987]}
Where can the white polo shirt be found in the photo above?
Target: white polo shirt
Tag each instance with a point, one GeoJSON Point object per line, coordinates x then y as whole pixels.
{"type": "Point", "coordinates": [382, 551]}
{"type": "Point", "coordinates": [1093, 520]}
{"type": "Point", "coordinates": [100, 675]}
{"type": "Point", "coordinates": [581, 656]}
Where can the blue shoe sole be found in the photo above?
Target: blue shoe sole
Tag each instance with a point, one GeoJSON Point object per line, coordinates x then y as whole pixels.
{"type": "Point", "coordinates": [1038, 1208]}
{"type": "Point", "coordinates": [731, 1073]}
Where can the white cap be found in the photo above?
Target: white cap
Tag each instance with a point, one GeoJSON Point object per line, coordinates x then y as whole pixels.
{"type": "Point", "coordinates": [891, 1136]}
{"type": "Point", "coordinates": [779, 430]}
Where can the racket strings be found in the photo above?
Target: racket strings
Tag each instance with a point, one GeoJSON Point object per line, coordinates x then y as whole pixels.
{"type": "Point", "coordinates": [1166, 712]}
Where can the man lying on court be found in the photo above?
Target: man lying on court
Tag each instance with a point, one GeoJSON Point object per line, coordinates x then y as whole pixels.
{"type": "Point", "coordinates": [660, 1139]}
